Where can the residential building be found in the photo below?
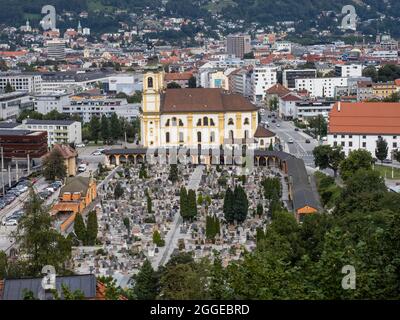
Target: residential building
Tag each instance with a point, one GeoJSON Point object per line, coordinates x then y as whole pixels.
{"type": "Point", "coordinates": [46, 103]}
{"type": "Point", "coordinates": [321, 87]}
{"type": "Point", "coordinates": [310, 108]}
{"type": "Point", "coordinates": [287, 106]}
{"type": "Point", "coordinates": [238, 45]}
{"type": "Point", "coordinates": [348, 70]}
{"type": "Point", "coordinates": [384, 90]}
{"type": "Point", "coordinates": [181, 78]}
{"type": "Point", "coordinates": [348, 129]}
{"type": "Point", "coordinates": [262, 78]}
{"type": "Point", "coordinates": [56, 50]}
{"type": "Point", "coordinates": [86, 106]}
{"type": "Point", "coordinates": [58, 131]}
{"type": "Point", "coordinates": [289, 76]}
{"type": "Point", "coordinates": [240, 82]}
{"type": "Point", "coordinates": [70, 156]}
{"type": "Point", "coordinates": [125, 83]}
{"type": "Point", "coordinates": [365, 91]}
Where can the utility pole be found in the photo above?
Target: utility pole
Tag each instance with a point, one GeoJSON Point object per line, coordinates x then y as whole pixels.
{"type": "Point", "coordinates": [2, 170]}
{"type": "Point", "coordinates": [29, 166]}
{"type": "Point", "coordinates": [9, 176]}
{"type": "Point", "coordinates": [16, 168]}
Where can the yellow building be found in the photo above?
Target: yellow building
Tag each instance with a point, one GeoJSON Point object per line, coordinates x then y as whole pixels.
{"type": "Point", "coordinates": [206, 118]}
{"type": "Point", "coordinates": [70, 156]}
{"type": "Point", "coordinates": [384, 90]}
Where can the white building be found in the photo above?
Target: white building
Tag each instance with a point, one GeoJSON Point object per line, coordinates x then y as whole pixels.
{"type": "Point", "coordinates": [321, 87]}
{"type": "Point", "coordinates": [11, 104]}
{"type": "Point", "coordinates": [349, 70]}
{"type": "Point", "coordinates": [262, 79]}
{"type": "Point", "coordinates": [47, 103]}
{"type": "Point", "coordinates": [125, 83]}
{"type": "Point", "coordinates": [22, 82]}
{"type": "Point", "coordinates": [56, 49]}
{"type": "Point", "coordinates": [351, 131]}
{"type": "Point", "coordinates": [87, 108]}
{"type": "Point", "coordinates": [58, 131]}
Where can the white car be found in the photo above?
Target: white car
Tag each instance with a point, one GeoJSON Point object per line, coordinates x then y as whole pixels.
{"type": "Point", "coordinates": [278, 125]}
{"type": "Point", "coordinates": [80, 145]}
{"type": "Point", "coordinates": [97, 153]}
{"type": "Point", "coordinates": [10, 223]}
{"type": "Point", "coordinates": [82, 167]}
{"type": "Point", "coordinates": [100, 150]}
{"type": "Point", "coordinates": [291, 141]}
{"type": "Point", "coordinates": [51, 189]}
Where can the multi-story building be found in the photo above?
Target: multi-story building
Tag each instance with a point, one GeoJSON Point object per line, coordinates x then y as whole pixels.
{"type": "Point", "coordinates": [309, 109]}
{"type": "Point", "coordinates": [351, 131]}
{"type": "Point", "coordinates": [49, 102]}
{"type": "Point", "coordinates": [384, 90]}
{"type": "Point", "coordinates": [240, 82]}
{"type": "Point", "coordinates": [365, 91]}
{"type": "Point", "coordinates": [22, 82]}
{"type": "Point", "coordinates": [321, 87]}
{"type": "Point", "coordinates": [348, 70]}
{"type": "Point", "coordinates": [19, 144]}
{"type": "Point", "coordinates": [181, 78]}
{"type": "Point", "coordinates": [87, 106]}
{"type": "Point", "coordinates": [56, 50]}
{"type": "Point", "coordinates": [11, 104]}
{"type": "Point", "coordinates": [262, 78]}
{"type": "Point", "coordinates": [238, 45]}
{"type": "Point", "coordinates": [58, 131]}
{"type": "Point", "coordinates": [289, 76]}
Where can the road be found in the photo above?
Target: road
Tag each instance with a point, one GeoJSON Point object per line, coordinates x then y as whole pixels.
{"type": "Point", "coordinates": [286, 131]}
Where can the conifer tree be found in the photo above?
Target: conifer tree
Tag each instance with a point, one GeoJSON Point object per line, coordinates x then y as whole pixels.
{"type": "Point", "coordinates": [92, 228]}
{"type": "Point", "coordinates": [80, 228]}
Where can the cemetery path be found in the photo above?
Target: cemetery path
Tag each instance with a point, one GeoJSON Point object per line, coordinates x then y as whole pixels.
{"type": "Point", "coordinates": [173, 236]}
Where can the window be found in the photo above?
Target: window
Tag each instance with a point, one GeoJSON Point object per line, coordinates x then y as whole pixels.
{"type": "Point", "coordinates": [230, 122]}
{"type": "Point", "coordinates": [246, 134]}
{"type": "Point", "coordinates": [199, 123]}
{"type": "Point", "coordinates": [150, 82]}
{"type": "Point", "coordinates": [180, 123]}
{"type": "Point", "coordinates": [335, 136]}
{"type": "Point", "coordinates": [167, 123]}
{"type": "Point", "coordinates": [343, 144]}
{"type": "Point", "coordinates": [246, 121]}
{"type": "Point", "coordinates": [205, 121]}
{"type": "Point", "coordinates": [394, 137]}
{"type": "Point", "coordinates": [350, 137]}
{"type": "Point", "coordinates": [231, 135]}
{"type": "Point", "coordinates": [173, 121]}
{"type": "Point", "coordinates": [335, 143]}
{"type": "Point", "coordinates": [181, 137]}
{"type": "Point", "coordinates": [212, 137]}
{"type": "Point", "coordinates": [212, 123]}
{"type": "Point", "coordinates": [343, 136]}
{"type": "Point", "coordinates": [350, 144]}
{"type": "Point", "coordinates": [167, 137]}
{"type": "Point", "coordinates": [394, 144]}
{"type": "Point", "coordinates": [198, 136]}
{"type": "Point", "coordinates": [364, 137]}
{"type": "Point", "coordinates": [261, 142]}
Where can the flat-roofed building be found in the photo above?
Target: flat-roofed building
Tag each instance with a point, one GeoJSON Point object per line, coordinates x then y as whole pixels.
{"type": "Point", "coordinates": [18, 144]}
{"type": "Point", "coordinates": [11, 104]}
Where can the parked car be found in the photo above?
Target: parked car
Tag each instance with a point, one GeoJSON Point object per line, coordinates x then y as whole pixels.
{"type": "Point", "coordinates": [274, 121]}
{"type": "Point", "coordinates": [387, 161]}
{"type": "Point", "coordinates": [80, 145]}
{"type": "Point", "coordinates": [58, 183]}
{"type": "Point", "coordinates": [291, 141]}
{"type": "Point", "coordinates": [44, 194]}
{"type": "Point", "coordinates": [278, 125]}
{"type": "Point", "coordinates": [296, 129]}
{"type": "Point", "coordinates": [2, 204]}
{"type": "Point", "coordinates": [101, 150]}
{"type": "Point", "coordinates": [82, 167]}
{"type": "Point", "coordinates": [10, 223]}
{"type": "Point", "coordinates": [50, 189]}
{"type": "Point", "coordinates": [308, 141]}
{"type": "Point", "coordinates": [97, 153]}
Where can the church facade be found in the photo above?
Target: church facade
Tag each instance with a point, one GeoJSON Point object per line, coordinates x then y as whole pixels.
{"type": "Point", "coordinates": [192, 118]}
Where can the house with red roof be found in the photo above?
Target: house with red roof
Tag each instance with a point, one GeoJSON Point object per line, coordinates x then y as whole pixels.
{"type": "Point", "coordinates": [287, 106]}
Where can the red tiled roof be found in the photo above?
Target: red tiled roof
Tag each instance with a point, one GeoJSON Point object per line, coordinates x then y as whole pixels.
{"type": "Point", "coordinates": [262, 132]}
{"type": "Point", "coordinates": [365, 118]}
{"type": "Point", "coordinates": [178, 76]}
{"type": "Point", "coordinates": [203, 100]}
{"type": "Point", "coordinates": [278, 89]}
{"type": "Point", "coordinates": [66, 151]}
{"type": "Point", "coordinates": [291, 97]}
{"type": "Point", "coordinates": [397, 82]}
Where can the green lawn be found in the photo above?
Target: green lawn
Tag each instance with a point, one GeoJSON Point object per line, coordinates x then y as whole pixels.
{"type": "Point", "coordinates": [386, 172]}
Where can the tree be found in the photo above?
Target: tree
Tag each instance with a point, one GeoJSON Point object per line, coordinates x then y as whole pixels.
{"type": "Point", "coordinates": [127, 224]}
{"type": "Point", "coordinates": [146, 282]}
{"type": "Point", "coordinates": [370, 72]}
{"type": "Point", "coordinates": [92, 228]}
{"type": "Point", "coordinates": [274, 104]}
{"type": "Point", "coordinates": [38, 242]}
{"type": "Point", "coordinates": [192, 82]}
{"type": "Point", "coordinates": [327, 157]}
{"type": "Point", "coordinates": [260, 209]}
{"type": "Point", "coordinates": [396, 155]}
{"type": "Point", "coordinates": [94, 127]}
{"type": "Point", "coordinates": [8, 88]}
{"type": "Point", "coordinates": [319, 125]}
{"type": "Point", "coordinates": [173, 173]}
{"type": "Point", "coordinates": [105, 129]}
{"type": "Point", "coordinates": [80, 229]}
{"type": "Point", "coordinates": [149, 203]}
{"type": "Point", "coordinates": [200, 199]}
{"type": "Point", "coordinates": [241, 204]}
{"type": "Point", "coordinates": [192, 205]}
{"type": "Point", "coordinates": [173, 85]}
{"type": "Point", "coordinates": [157, 240]}
{"type": "Point", "coordinates": [118, 191]}
{"type": "Point", "coordinates": [249, 55]}
{"type": "Point", "coordinates": [3, 264]}
{"type": "Point", "coordinates": [54, 165]}
{"type": "Point", "coordinates": [143, 172]}
{"type": "Point", "coordinates": [228, 208]}
{"type": "Point", "coordinates": [183, 203]}
{"type": "Point", "coordinates": [115, 127]}
{"type": "Point", "coordinates": [381, 151]}
{"type": "Point", "coordinates": [357, 159]}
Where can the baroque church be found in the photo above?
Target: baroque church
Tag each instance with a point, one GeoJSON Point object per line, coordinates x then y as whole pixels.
{"type": "Point", "coordinates": [197, 118]}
